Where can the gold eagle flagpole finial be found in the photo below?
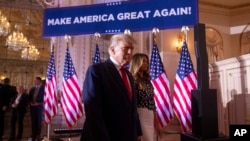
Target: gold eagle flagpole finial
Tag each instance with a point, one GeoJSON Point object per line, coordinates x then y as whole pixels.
{"type": "Point", "coordinates": [52, 44]}
{"type": "Point", "coordinates": [67, 38]}
{"type": "Point", "coordinates": [97, 36]}
{"type": "Point", "coordinates": [155, 31]}
{"type": "Point", "coordinates": [127, 31]}
{"type": "Point", "coordinates": [185, 29]}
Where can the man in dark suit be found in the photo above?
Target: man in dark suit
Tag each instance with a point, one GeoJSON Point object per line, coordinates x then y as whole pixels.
{"type": "Point", "coordinates": [19, 105]}
{"type": "Point", "coordinates": [110, 107]}
{"type": "Point", "coordinates": [6, 92]}
{"type": "Point", "coordinates": [36, 108]}
{"type": "Point", "coordinates": [3, 107]}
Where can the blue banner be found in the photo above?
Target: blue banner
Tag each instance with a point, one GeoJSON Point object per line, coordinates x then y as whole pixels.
{"type": "Point", "coordinates": [115, 17]}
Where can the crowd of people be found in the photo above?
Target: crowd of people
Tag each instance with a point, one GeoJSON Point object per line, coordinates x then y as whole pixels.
{"type": "Point", "coordinates": [119, 102]}
{"type": "Point", "coordinates": [17, 101]}
{"type": "Point", "coordinates": [6, 93]}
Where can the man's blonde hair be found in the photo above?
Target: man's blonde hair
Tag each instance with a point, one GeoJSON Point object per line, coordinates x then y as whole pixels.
{"type": "Point", "coordinates": [121, 37]}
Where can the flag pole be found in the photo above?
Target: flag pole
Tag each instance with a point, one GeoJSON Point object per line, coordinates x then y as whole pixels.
{"type": "Point", "coordinates": [67, 38]}
{"type": "Point", "coordinates": [48, 130]}
{"type": "Point", "coordinates": [70, 134]}
{"type": "Point", "coordinates": [52, 41]}
{"type": "Point", "coordinates": [155, 31]}
{"type": "Point", "coordinates": [67, 43]}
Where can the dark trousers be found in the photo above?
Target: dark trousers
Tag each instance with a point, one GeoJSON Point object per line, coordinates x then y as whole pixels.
{"type": "Point", "coordinates": [1, 123]}
{"type": "Point", "coordinates": [36, 113]}
{"type": "Point", "coordinates": [17, 117]}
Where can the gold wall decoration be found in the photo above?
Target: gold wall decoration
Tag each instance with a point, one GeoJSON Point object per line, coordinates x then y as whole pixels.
{"type": "Point", "coordinates": [214, 44]}
{"type": "Point", "coordinates": [245, 40]}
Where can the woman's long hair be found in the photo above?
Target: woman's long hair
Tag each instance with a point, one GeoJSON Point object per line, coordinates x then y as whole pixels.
{"type": "Point", "coordinates": [134, 68]}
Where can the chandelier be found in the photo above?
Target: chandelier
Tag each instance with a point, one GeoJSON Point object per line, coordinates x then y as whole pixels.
{"type": "Point", "coordinates": [17, 41]}
{"type": "Point", "coordinates": [30, 53]}
{"type": "Point", "coordinates": [4, 25]}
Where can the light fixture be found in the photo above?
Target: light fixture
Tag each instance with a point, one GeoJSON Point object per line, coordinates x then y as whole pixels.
{"type": "Point", "coordinates": [2, 77]}
{"type": "Point", "coordinates": [17, 41]}
{"type": "Point", "coordinates": [4, 25]}
{"type": "Point", "coordinates": [178, 43]}
{"type": "Point", "coordinates": [30, 53]}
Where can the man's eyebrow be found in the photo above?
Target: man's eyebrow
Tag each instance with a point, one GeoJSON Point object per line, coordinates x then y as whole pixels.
{"type": "Point", "coordinates": [128, 46]}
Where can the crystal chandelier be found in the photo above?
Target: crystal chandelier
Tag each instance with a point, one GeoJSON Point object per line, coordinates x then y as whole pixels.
{"type": "Point", "coordinates": [30, 53]}
{"type": "Point", "coordinates": [17, 41]}
{"type": "Point", "coordinates": [4, 25]}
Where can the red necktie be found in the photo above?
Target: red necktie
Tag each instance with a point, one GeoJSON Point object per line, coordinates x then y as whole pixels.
{"type": "Point", "coordinates": [126, 82]}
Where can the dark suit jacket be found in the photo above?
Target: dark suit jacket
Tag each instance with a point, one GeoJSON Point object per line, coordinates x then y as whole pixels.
{"type": "Point", "coordinates": [40, 94]}
{"type": "Point", "coordinates": [3, 98]}
{"type": "Point", "coordinates": [6, 93]}
{"type": "Point", "coordinates": [110, 115]}
{"type": "Point", "coordinates": [23, 103]}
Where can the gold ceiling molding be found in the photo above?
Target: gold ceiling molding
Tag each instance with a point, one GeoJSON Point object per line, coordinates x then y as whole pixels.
{"type": "Point", "coordinates": [224, 6]}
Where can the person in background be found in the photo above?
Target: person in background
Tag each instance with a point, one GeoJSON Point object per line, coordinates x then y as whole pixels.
{"type": "Point", "coordinates": [19, 105]}
{"type": "Point", "coordinates": [44, 82]}
{"type": "Point", "coordinates": [110, 106]}
{"type": "Point", "coordinates": [9, 89]}
{"type": "Point", "coordinates": [139, 67]}
{"type": "Point", "coordinates": [36, 95]}
{"type": "Point", "coordinates": [6, 92]}
{"type": "Point", "coordinates": [3, 107]}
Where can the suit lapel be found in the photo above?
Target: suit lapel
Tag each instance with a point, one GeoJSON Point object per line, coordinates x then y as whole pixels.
{"type": "Point", "coordinates": [117, 77]}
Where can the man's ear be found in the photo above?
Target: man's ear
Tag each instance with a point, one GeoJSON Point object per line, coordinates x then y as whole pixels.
{"type": "Point", "coordinates": [112, 50]}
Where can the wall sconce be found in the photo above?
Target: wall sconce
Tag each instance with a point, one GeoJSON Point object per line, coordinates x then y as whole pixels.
{"type": "Point", "coordinates": [3, 77]}
{"type": "Point", "coordinates": [179, 42]}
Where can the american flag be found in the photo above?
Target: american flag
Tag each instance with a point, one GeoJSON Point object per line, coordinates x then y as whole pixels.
{"type": "Point", "coordinates": [71, 94]}
{"type": "Point", "coordinates": [50, 96]}
{"type": "Point", "coordinates": [160, 82]}
{"type": "Point", "coordinates": [184, 82]}
{"type": "Point", "coordinates": [97, 57]}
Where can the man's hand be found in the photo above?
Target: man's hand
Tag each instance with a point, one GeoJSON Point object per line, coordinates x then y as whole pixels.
{"type": "Point", "coordinates": [4, 108]}
{"type": "Point", "coordinates": [14, 105]}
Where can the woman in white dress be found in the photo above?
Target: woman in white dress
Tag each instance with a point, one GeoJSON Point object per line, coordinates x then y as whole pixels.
{"type": "Point", "coordinates": [139, 67]}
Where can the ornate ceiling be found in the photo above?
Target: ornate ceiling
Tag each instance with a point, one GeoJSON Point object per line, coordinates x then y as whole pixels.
{"type": "Point", "coordinates": [28, 14]}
